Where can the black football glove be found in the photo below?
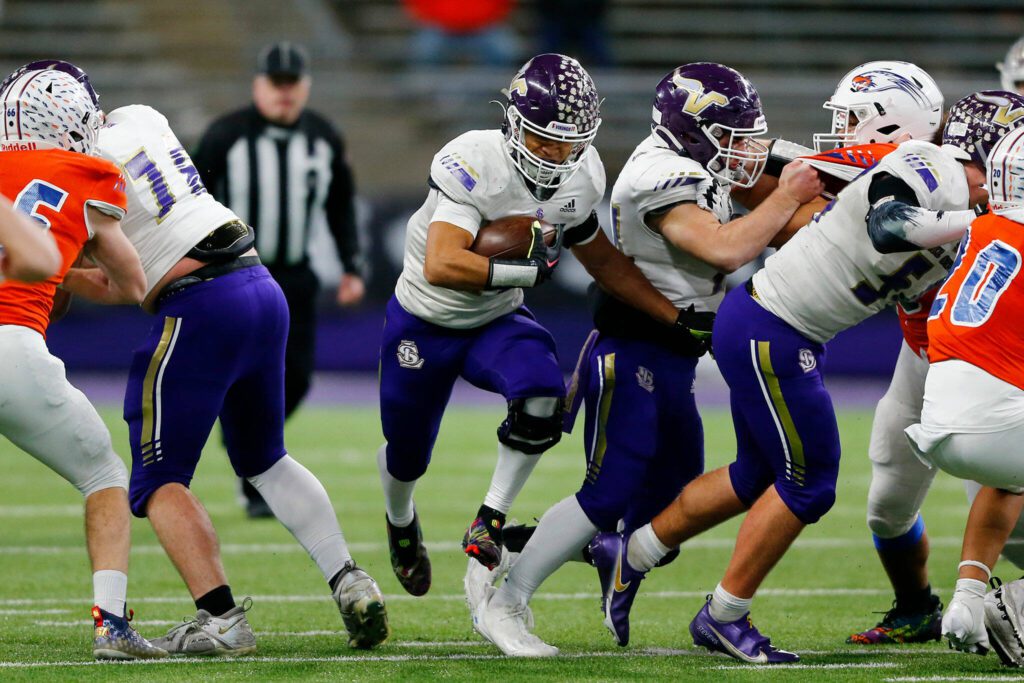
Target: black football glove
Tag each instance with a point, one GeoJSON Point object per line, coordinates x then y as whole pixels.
{"type": "Point", "coordinates": [693, 329]}
{"type": "Point", "coordinates": [531, 271]}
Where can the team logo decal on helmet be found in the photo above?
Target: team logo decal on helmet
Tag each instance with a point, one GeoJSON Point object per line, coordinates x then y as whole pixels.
{"type": "Point", "coordinates": [712, 114]}
{"type": "Point", "coordinates": [980, 120]}
{"type": "Point", "coordinates": [881, 102]}
{"type": "Point", "coordinates": [48, 108]}
{"type": "Point", "coordinates": [551, 96]}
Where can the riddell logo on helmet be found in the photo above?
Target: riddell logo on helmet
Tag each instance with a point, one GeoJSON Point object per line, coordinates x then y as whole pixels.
{"type": "Point", "coordinates": [562, 127]}
{"type": "Point", "coordinates": [9, 146]}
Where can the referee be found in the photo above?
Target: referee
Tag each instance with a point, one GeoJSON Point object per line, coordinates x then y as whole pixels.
{"type": "Point", "coordinates": [282, 168]}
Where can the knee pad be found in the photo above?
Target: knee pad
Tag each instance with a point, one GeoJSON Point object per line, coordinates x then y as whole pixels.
{"type": "Point", "coordinates": [533, 425]}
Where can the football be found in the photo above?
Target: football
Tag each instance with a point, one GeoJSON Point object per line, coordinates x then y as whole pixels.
{"type": "Point", "coordinates": [510, 237]}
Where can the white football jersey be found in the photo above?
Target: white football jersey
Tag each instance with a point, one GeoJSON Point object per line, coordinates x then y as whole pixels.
{"type": "Point", "coordinates": [655, 177]}
{"type": "Point", "coordinates": [474, 181]}
{"type": "Point", "coordinates": [829, 276]}
{"type": "Point", "coordinates": [169, 209]}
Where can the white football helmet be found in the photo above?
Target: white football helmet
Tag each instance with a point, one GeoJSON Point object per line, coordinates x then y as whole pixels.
{"type": "Point", "coordinates": [1006, 176]}
{"type": "Point", "coordinates": [888, 99]}
{"type": "Point", "coordinates": [1011, 69]}
{"type": "Point", "coordinates": [51, 109]}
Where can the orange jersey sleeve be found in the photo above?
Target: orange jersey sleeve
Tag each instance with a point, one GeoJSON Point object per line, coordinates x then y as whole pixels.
{"type": "Point", "coordinates": [914, 321]}
{"type": "Point", "coordinates": [978, 311]}
{"type": "Point", "coordinates": [54, 187]}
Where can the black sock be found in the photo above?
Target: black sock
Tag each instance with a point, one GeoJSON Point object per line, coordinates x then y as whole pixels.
{"type": "Point", "coordinates": [920, 600]}
{"type": "Point", "coordinates": [494, 520]}
{"type": "Point", "coordinates": [217, 602]}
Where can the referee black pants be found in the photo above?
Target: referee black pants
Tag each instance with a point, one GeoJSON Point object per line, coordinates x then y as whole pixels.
{"type": "Point", "coordinates": [300, 286]}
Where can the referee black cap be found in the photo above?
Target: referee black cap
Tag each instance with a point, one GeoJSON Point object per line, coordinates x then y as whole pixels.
{"type": "Point", "coordinates": [283, 59]}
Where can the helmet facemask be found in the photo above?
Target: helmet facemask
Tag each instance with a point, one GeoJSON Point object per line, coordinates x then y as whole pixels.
{"type": "Point", "coordinates": [740, 159]}
{"type": "Point", "coordinates": [541, 172]}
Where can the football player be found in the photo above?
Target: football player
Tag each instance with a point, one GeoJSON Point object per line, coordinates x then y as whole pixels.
{"type": "Point", "coordinates": [972, 423]}
{"type": "Point", "coordinates": [456, 313]}
{"type": "Point", "coordinates": [215, 351]}
{"type": "Point", "coordinates": [49, 133]}
{"type": "Point", "coordinates": [671, 213]}
{"type": "Point", "coordinates": [769, 339]}
{"type": "Point", "coordinates": [1011, 69]}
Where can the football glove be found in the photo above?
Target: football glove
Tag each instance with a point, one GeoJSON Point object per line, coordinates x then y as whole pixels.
{"type": "Point", "coordinates": [693, 329]}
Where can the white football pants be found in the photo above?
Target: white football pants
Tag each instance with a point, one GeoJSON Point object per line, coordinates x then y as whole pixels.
{"type": "Point", "coordinates": [41, 413]}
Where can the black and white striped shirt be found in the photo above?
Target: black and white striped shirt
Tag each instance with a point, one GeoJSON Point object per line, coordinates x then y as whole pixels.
{"type": "Point", "coordinates": [282, 181]}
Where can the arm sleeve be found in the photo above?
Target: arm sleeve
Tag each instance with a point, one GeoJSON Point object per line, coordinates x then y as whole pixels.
{"type": "Point", "coordinates": [897, 223]}
{"type": "Point", "coordinates": [582, 233]}
{"type": "Point", "coordinates": [341, 210]}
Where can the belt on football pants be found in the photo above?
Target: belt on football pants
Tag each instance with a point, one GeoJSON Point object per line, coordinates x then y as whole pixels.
{"type": "Point", "coordinates": [205, 274]}
{"type": "Point", "coordinates": [749, 285]}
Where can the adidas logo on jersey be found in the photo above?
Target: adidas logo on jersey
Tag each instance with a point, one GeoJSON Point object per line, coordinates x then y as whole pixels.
{"type": "Point", "coordinates": [570, 207]}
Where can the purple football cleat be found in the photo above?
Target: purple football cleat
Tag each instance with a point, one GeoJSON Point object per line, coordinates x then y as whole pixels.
{"type": "Point", "coordinates": [619, 582]}
{"type": "Point", "coordinates": [739, 639]}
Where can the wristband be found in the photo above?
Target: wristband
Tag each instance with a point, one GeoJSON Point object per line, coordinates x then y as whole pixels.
{"type": "Point", "coordinates": [975, 563]}
{"type": "Point", "coordinates": [506, 273]}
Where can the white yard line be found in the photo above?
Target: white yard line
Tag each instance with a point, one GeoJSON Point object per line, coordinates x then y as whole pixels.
{"type": "Point", "coordinates": [444, 546]}
{"type": "Point", "coordinates": [458, 597]}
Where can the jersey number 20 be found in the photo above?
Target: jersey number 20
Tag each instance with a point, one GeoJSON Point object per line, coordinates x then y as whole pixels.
{"type": "Point", "coordinates": [991, 273]}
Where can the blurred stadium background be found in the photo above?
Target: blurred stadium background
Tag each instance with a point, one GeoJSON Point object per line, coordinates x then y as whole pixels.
{"type": "Point", "coordinates": [194, 59]}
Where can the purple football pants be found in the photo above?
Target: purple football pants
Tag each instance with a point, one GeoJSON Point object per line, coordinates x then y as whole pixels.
{"type": "Point", "coordinates": [419, 362]}
{"type": "Point", "coordinates": [786, 431]}
{"type": "Point", "coordinates": [215, 350]}
{"type": "Point", "coordinates": [643, 437]}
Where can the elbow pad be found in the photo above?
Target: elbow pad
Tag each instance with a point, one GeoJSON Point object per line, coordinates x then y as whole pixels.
{"type": "Point", "coordinates": [897, 227]}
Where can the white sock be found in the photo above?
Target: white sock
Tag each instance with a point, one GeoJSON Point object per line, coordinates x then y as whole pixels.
{"type": "Point", "coordinates": [645, 550]}
{"type": "Point", "coordinates": [562, 530]}
{"type": "Point", "coordinates": [510, 475]}
{"type": "Point", "coordinates": [397, 494]}
{"type": "Point", "coordinates": [726, 607]}
{"type": "Point", "coordinates": [299, 501]}
{"type": "Point", "coordinates": [110, 590]}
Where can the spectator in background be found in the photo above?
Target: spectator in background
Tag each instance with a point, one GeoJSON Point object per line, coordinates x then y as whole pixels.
{"type": "Point", "coordinates": [576, 27]}
{"type": "Point", "coordinates": [1011, 69]}
{"type": "Point", "coordinates": [282, 168]}
{"type": "Point", "coordinates": [452, 31]}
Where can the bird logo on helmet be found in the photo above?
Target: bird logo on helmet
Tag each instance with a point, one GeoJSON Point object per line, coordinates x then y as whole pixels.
{"type": "Point", "coordinates": [551, 96]}
{"type": "Point", "coordinates": [48, 108]}
{"type": "Point", "coordinates": [977, 122]}
{"type": "Point", "coordinates": [889, 100]}
{"type": "Point", "coordinates": [712, 114]}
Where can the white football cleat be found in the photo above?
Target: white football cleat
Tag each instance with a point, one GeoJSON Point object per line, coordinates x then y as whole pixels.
{"type": "Point", "coordinates": [1003, 620]}
{"type": "Point", "coordinates": [362, 608]}
{"type": "Point", "coordinates": [229, 634]}
{"type": "Point", "coordinates": [508, 627]}
{"type": "Point", "coordinates": [963, 622]}
{"type": "Point", "coordinates": [478, 578]}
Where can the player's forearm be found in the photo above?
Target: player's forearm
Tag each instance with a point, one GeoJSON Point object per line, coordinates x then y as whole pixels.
{"type": "Point", "coordinates": [88, 283]}
{"type": "Point", "coordinates": [29, 252]}
{"type": "Point", "coordinates": [462, 270]}
{"type": "Point", "coordinates": [620, 277]}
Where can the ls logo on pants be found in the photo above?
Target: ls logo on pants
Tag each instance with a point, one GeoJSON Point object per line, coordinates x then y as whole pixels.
{"type": "Point", "coordinates": [409, 355]}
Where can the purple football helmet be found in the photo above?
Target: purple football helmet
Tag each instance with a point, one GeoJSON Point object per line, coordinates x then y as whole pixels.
{"type": "Point", "coordinates": [56, 65]}
{"type": "Point", "coordinates": [554, 97]}
{"type": "Point", "coordinates": [712, 114]}
{"type": "Point", "coordinates": [977, 122]}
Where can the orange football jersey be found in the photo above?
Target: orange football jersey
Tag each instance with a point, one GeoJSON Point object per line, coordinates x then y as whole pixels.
{"type": "Point", "coordinates": [54, 187]}
{"type": "Point", "coordinates": [978, 311]}
{"type": "Point", "coordinates": [914, 322]}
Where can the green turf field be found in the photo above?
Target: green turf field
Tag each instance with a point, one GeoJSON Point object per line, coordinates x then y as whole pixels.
{"type": "Point", "coordinates": [829, 583]}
